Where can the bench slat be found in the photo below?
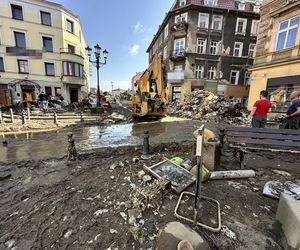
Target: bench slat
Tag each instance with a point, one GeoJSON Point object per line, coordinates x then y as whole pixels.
{"type": "Point", "coordinates": [265, 142]}
{"type": "Point", "coordinates": [264, 130]}
{"type": "Point", "coordinates": [263, 136]}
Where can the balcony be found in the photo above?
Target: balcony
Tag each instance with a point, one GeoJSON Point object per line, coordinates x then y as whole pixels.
{"type": "Point", "coordinates": [72, 55]}
{"type": "Point", "coordinates": [201, 31]}
{"type": "Point", "coordinates": [73, 80]}
{"type": "Point", "coordinates": [178, 54]}
{"type": "Point", "coordinates": [179, 29]}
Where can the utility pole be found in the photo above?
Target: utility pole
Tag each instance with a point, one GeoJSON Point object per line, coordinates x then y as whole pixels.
{"type": "Point", "coordinates": [112, 88]}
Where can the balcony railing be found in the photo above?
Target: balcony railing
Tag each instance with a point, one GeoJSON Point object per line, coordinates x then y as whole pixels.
{"type": "Point", "coordinates": [178, 53]}
{"type": "Point", "coordinates": [182, 26]}
{"type": "Point", "coordinates": [71, 51]}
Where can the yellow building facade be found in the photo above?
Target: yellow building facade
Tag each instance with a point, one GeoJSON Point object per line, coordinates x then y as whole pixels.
{"type": "Point", "coordinates": [42, 49]}
{"type": "Point", "coordinates": [277, 63]}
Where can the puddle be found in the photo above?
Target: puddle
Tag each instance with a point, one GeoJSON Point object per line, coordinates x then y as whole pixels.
{"type": "Point", "coordinates": [54, 144]}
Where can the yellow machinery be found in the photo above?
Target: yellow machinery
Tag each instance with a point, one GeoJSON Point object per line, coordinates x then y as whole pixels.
{"type": "Point", "coordinates": [150, 98]}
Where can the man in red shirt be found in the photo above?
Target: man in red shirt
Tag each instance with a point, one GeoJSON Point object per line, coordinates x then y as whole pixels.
{"type": "Point", "coordinates": [260, 110]}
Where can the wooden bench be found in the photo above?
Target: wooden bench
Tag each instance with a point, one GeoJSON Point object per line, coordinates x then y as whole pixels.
{"type": "Point", "coordinates": [245, 140]}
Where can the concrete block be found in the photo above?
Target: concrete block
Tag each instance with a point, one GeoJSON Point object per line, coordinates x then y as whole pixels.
{"type": "Point", "coordinates": [147, 178]}
{"type": "Point", "coordinates": [141, 174]}
{"type": "Point", "coordinates": [211, 155]}
{"type": "Point", "coordinates": [288, 215]}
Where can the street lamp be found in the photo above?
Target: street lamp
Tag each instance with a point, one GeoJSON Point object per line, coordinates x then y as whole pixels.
{"type": "Point", "coordinates": [98, 64]}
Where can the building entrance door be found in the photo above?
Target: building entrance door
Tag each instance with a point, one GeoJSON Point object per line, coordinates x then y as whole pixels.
{"type": "Point", "coordinates": [73, 95]}
{"type": "Point", "coordinates": [28, 95]}
{"type": "Point", "coordinates": [5, 98]}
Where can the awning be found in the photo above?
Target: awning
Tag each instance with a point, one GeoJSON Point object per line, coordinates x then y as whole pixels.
{"type": "Point", "coordinates": [14, 83]}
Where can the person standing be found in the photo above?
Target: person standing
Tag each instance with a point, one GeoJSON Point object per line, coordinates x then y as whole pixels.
{"type": "Point", "coordinates": [293, 113]}
{"type": "Point", "coordinates": [43, 98]}
{"type": "Point", "coordinates": [260, 110]}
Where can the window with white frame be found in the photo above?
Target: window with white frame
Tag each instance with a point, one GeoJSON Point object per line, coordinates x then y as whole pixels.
{"type": "Point", "coordinates": [166, 32]}
{"type": "Point", "coordinates": [199, 71]}
{"type": "Point", "coordinates": [241, 25]}
{"type": "Point", "coordinates": [181, 18]}
{"type": "Point", "coordinates": [213, 48]}
{"type": "Point", "coordinates": [247, 78]}
{"type": "Point", "coordinates": [238, 49]}
{"type": "Point", "coordinates": [211, 3]}
{"type": "Point", "coordinates": [203, 21]}
{"type": "Point", "coordinates": [242, 6]}
{"type": "Point", "coordinates": [256, 8]}
{"type": "Point", "coordinates": [252, 48]}
{"type": "Point", "coordinates": [179, 47]}
{"type": "Point", "coordinates": [254, 27]}
{"type": "Point", "coordinates": [287, 33]}
{"type": "Point", "coordinates": [182, 3]}
{"type": "Point", "coordinates": [234, 77]}
{"type": "Point", "coordinates": [216, 22]}
{"type": "Point", "coordinates": [165, 52]}
{"type": "Point", "coordinates": [178, 67]}
{"type": "Point", "coordinates": [212, 72]}
{"type": "Point", "coordinates": [201, 46]}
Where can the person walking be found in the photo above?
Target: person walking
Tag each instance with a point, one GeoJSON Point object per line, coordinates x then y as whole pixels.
{"type": "Point", "coordinates": [260, 110]}
{"type": "Point", "coordinates": [293, 113]}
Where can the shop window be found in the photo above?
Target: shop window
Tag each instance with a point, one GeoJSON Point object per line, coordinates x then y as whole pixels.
{"type": "Point", "coordinates": [279, 96]}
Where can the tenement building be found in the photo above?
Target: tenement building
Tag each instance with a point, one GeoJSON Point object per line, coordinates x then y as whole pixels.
{"type": "Point", "coordinates": [208, 44]}
{"type": "Point", "coordinates": [277, 63]}
{"type": "Point", "coordinates": [42, 49]}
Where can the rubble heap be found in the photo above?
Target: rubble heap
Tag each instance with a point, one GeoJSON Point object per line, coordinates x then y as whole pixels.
{"type": "Point", "coordinates": [204, 105]}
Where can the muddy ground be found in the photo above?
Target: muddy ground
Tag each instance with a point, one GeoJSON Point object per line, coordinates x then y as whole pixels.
{"type": "Point", "coordinates": [56, 204]}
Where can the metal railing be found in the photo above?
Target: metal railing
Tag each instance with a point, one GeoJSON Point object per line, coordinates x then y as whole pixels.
{"type": "Point", "coordinates": [178, 53]}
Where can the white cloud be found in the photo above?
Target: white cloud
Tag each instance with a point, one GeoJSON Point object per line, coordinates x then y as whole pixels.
{"type": "Point", "coordinates": [138, 28]}
{"type": "Point", "coordinates": [134, 50]}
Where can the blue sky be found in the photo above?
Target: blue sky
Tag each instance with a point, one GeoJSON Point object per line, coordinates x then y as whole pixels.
{"type": "Point", "coordinates": [125, 28]}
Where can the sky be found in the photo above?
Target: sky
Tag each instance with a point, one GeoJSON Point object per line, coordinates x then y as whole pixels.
{"type": "Point", "coordinates": [125, 28]}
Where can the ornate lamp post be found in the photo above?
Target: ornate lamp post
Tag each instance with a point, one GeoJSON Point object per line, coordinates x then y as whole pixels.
{"type": "Point", "coordinates": [98, 64]}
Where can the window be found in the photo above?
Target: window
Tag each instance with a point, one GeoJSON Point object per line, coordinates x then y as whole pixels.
{"type": "Point", "coordinates": [247, 78]}
{"type": "Point", "coordinates": [241, 25]}
{"type": "Point", "coordinates": [179, 47]}
{"type": "Point", "coordinates": [57, 91]}
{"type": "Point", "coordinates": [238, 49]}
{"type": "Point", "coordinates": [71, 49]}
{"type": "Point", "coordinates": [201, 46]}
{"type": "Point", "coordinates": [45, 18]}
{"type": "Point", "coordinates": [211, 72]}
{"type": "Point", "coordinates": [165, 52]}
{"type": "Point", "coordinates": [234, 77]}
{"type": "Point", "coordinates": [47, 44]}
{"type": "Point", "coordinates": [72, 69]}
{"type": "Point", "coordinates": [203, 21]}
{"type": "Point", "coordinates": [252, 48]}
{"type": "Point", "coordinates": [176, 93]}
{"type": "Point", "coordinates": [211, 3]}
{"type": "Point", "coordinates": [48, 91]}
{"type": "Point", "coordinates": [256, 9]}
{"type": "Point", "coordinates": [216, 23]}
{"type": "Point", "coordinates": [17, 12]}
{"type": "Point", "coordinates": [70, 26]}
{"type": "Point", "coordinates": [49, 69]}
{"type": "Point", "coordinates": [23, 66]}
{"type": "Point", "coordinates": [254, 28]}
{"type": "Point", "coordinates": [199, 71]}
{"type": "Point", "coordinates": [166, 33]}
{"type": "Point", "coordinates": [1, 64]}
{"type": "Point", "coordinates": [182, 3]}
{"type": "Point", "coordinates": [213, 47]}
{"type": "Point", "coordinates": [287, 33]}
{"type": "Point", "coordinates": [178, 67]}
{"type": "Point", "coordinates": [20, 39]}
{"type": "Point", "coordinates": [242, 6]}
{"type": "Point", "coordinates": [181, 18]}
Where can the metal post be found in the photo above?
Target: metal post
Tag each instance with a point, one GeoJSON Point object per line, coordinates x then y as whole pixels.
{"type": "Point", "coordinates": [55, 117]}
{"type": "Point", "coordinates": [1, 118]}
{"type": "Point", "coordinates": [28, 114]}
{"type": "Point", "coordinates": [11, 115]}
{"type": "Point", "coordinates": [81, 117]}
{"type": "Point", "coordinates": [98, 80]}
{"type": "Point", "coordinates": [146, 147]}
{"type": "Point", "coordinates": [221, 135]}
{"type": "Point", "coordinates": [23, 117]}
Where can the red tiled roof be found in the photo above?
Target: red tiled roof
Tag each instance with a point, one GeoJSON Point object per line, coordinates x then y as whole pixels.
{"type": "Point", "coordinates": [224, 4]}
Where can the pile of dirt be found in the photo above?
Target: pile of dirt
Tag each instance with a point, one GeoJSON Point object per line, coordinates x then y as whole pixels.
{"type": "Point", "coordinates": [204, 105]}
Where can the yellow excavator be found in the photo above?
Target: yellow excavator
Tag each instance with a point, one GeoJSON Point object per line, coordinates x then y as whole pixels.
{"type": "Point", "coordinates": [150, 99]}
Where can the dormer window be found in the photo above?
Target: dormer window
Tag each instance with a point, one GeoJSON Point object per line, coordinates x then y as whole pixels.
{"type": "Point", "coordinates": [182, 3]}
{"type": "Point", "coordinates": [211, 3]}
{"type": "Point", "coordinates": [242, 6]}
{"type": "Point", "coordinates": [256, 8]}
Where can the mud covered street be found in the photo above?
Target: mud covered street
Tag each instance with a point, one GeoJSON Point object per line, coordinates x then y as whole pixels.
{"type": "Point", "coordinates": [56, 204]}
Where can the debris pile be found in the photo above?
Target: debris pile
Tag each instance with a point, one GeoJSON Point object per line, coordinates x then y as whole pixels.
{"type": "Point", "coordinates": [204, 105]}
